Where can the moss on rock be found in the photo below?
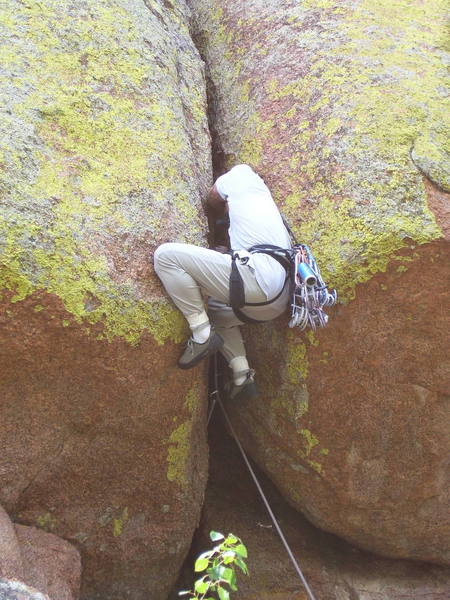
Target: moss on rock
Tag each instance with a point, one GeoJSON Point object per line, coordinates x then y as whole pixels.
{"type": "Point", "coordinates": [97, 150]}
{"type": "Point", "coordinates": [333, 127]}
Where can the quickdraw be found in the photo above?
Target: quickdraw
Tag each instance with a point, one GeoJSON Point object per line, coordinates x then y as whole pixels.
{"type": "Point", "coordinates": [310, 293]}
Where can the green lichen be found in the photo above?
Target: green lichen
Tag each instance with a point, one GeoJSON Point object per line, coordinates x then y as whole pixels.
{"type": "Point", "coordinates": [106, 163]}
{"type": "Point", "coordinates": [310, 336]}
{"type": "Point", "coordinates": [47, 522]}
{"type": "Point", "coordinates": [319, 4]}
{"type": "Point", "coordinates": [193, 400]}
{"type": "Point", "coordinates": [316, 466]}
{"type": "Point", "coordinates": [431, 154]}
{"type": "Point", "coordinates": [225, 55]}
{"type": "Point", "coordinates": [297, 360]}
{"type": "Point", "coordinates": [285, 401]}
{"type": "Point", "coordinates": [119, 523]}
{"type": "Point", "coordinates": [310, 441]}
{"type": "Point", "coordinates": [325, 357]}
{"type": "Point", "coordinates": [288, 407]}
{"type": "Point", "coordinates": [340, 139]}
{"type": "Point", "coordinates": [179, 441]}
{"type": "Point", "coordinates": [252, 147]}
{"type": "Point", "coordinates": [178, 452]}
{"type": "Point", "coordinates": [354, 242]}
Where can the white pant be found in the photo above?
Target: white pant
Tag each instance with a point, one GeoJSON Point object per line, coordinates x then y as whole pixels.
{"type": "Point", "coordinates": [188, 272]}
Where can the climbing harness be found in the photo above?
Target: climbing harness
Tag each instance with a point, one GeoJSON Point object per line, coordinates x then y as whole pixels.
{"type": "Point", "coordinates": [237, 293]}
{"type": "Point", "coordinates": [309, 293]}
{"type": "Point", "coordinates": [215, 398]}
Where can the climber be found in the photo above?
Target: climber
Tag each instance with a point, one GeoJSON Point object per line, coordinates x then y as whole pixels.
{"type": "Point", "coordinates": [189, 271]}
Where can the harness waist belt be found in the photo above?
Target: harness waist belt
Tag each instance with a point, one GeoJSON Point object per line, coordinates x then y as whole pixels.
{"type": "Point", "coordinates": [237, 292]}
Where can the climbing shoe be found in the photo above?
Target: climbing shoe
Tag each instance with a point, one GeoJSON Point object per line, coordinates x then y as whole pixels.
{"type": "Point", "coordinates": [195, 352]}
{"type": "Point", "coordinates": [246, 390]}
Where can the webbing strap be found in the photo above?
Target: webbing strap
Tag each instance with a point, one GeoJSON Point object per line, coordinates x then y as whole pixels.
{"type": "Point", "coordinates": [215, 396]}
{"type": "Point", "coordinates": [289, 230]}
{"type": "Point", "coordinates": [281, 255]}
{"type": "Point", "coordinates": [237, 294]}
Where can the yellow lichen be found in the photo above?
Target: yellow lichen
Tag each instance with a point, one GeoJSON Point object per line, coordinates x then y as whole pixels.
{"type": "Point", "coordinates": [106, 146]}
{"type": "Point", "coordinates": [47, 522]}
{"type": "Point", "coordinates": [119, 523]}
{"type": "Point", "coordinates": [309, 443]}
{"type": "Point", "coordinates": [310, 440]}
{"type": "Point", "coordinates": [178, 452]}
{"type": "Point", "coordinates": [297, 360]}
{"type": "Point", "coordinates": [376, 89]}
{"type": "Point", "coordinates": [180, 441]}
{"type": "Point", "coordinates": [192, 400]}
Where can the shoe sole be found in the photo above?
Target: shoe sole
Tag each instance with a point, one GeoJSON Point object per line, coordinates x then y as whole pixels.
{"type": "Point", "coordinates": [248, 393]}
{"type": "Point", "coordinates": [214, 345]}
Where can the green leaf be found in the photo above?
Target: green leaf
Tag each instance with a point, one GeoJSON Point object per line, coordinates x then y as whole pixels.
{"type": "Point", "coordinates": [227, 574]}
{"type": "Point", "coordinates": [216, 572]}
{"type": "Point", "coordinates": [223, 593]}
{"type": "Point", "coordinates": [201, 586]}
{"type": "Point", "coordinates": [228, 557]}
{"type": "Point", "coordinates": [207, 554]}
{"type": "Point", "coordinates": [241, 564]}
{"type": "Point", "coordinates": [232, 539]}
{"type": "Point", "coordinates": [232, 583]}
{"type": "Point", "coordinates": [241, 550]}
{"type": "Point", "coordinates": [216, 536]}
{"type": "Point", "coordinates": [201, 564]}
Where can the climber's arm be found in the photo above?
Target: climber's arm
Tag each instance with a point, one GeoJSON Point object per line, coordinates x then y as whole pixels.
{"type": "Point", "coordinates": [215, 202]}
{"type": "Point", "coordinates": [216, 209]}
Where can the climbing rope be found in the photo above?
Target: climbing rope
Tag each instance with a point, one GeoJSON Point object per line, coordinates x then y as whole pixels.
{"type": "Point", "coordinates": [215, 399]}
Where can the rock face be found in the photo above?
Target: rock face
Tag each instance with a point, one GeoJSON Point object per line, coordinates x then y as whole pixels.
{"type": "Point", "coordinates": [11, 564]}
{"type": "Point", "coordinates": [105, 153]}
{"type": "Point", "coordinates": [51, 565]}
{"type": "Point", "coordinates": [38, 559]}
{"type": "Point", "coordinates": [333, 569]}
{"type": "Point", "coordinates": [339, 106]}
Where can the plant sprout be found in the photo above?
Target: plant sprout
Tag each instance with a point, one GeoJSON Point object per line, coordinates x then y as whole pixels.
{"type": "Point", "coordinates": [219, 565]}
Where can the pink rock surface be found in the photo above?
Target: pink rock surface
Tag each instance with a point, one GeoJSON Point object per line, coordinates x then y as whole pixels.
{"type": "Point", "coordinates": [51, 564]}
{"type": "Point", "coordinates": [359, 443]}
{"type": "Point", "coordinates": [11, 564]}
{"type": "Point", "coordinates": [105, 155]}
{"type": "Point", "coordinates": [339, 107]}
{"type": "Point", "coordinates": [38, 560]}
{"type": "Point", "coordinates": [334, 569]}
{"type": "Point", "coordinates": [92, 464]}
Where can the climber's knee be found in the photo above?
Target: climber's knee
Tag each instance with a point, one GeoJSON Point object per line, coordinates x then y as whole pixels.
{"type": "Point", "coordinates": [163, 254]}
